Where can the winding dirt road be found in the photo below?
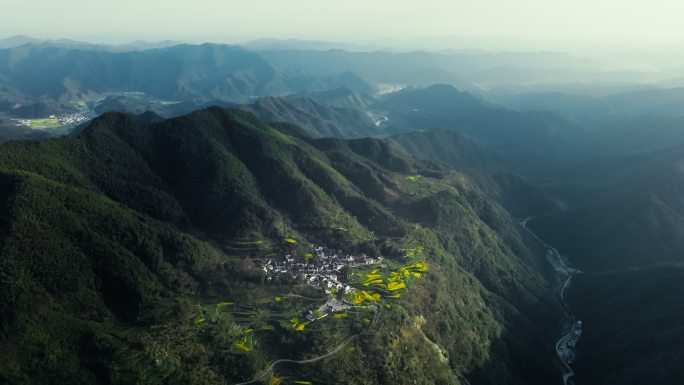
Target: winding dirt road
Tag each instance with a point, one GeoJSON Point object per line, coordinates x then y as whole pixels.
{"type": "Point", "coordinates": [314, 359]}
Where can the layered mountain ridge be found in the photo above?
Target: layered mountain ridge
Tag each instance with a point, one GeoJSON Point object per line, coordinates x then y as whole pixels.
{"type": "Point", "coordinates": [113, 236]}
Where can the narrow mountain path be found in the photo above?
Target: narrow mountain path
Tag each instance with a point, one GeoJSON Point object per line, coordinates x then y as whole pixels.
{"type": "Point", "coordinates": [564, 346]}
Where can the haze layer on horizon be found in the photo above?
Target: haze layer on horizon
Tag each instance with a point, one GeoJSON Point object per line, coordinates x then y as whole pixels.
{"type": "Point", "coordinates": [435, 24]}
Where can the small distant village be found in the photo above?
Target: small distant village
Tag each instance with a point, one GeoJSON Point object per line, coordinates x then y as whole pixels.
{"type": "Point", "coordinates": [321, 269]}
{"type": "Point", "coordinates": [63, 119]}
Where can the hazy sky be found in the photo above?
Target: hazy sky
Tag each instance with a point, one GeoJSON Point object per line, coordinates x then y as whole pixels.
{"type": "Point", "coordinates": [620, 22]}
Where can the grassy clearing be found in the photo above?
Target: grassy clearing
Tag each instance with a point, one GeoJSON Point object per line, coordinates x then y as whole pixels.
{"type": "Point", "coordinates": [43, 124]}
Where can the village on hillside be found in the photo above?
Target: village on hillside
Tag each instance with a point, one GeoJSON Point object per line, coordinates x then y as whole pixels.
{"type": "Point", "coordinates": [354, 287]}
{"type": "Point", "coordinates": [321, 269]}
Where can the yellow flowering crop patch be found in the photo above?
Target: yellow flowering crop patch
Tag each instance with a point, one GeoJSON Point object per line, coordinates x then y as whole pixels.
{"type": "Point", "coordinates": [297, 325]}
{"type": "Point", "coordinates": [370, 297]}
{"type": "Point", "coordinates": [242, 345]}
{"type": "Point", "coordinates": [363, 296]}
{"type": "Point", "coordinates": [372, 282]}
{"type": "Point", "coordinates": [392, 286]}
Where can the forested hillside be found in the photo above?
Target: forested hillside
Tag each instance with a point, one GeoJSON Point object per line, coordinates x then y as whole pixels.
{"type": "Point", "coordinates": [129, 255]}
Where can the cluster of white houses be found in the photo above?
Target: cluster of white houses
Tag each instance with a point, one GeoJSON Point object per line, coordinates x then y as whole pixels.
{"type": "Point", "coordinates": [64, 119]}
{"type": "Point", "coordinates": [320, 269]}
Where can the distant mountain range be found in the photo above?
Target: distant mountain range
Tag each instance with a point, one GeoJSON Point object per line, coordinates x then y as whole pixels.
{"type": "Point", "coordinates": [32, 74]}
{"type": "Point", "coordinates": [510, 152]}
{"type": "Point", "coordinates": [125, 224]}
{"type": "Point", "coordinates": [599, 111]}
{"type": "Point", "coordinates": [180, 72]}
{"type": "Point", "coordinates": [51, 75]}
{"type": "Point", "coordinates": [19, 40]}
{"type": "Point", "coordinates": [425, 68]}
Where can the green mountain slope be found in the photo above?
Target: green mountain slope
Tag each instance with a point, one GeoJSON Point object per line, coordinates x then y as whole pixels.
{"type": "Point", "coordinates": [447, 146]}
{"type": "Point", "coordinates": [632, 204]}
{"type": "Point", "coordinates": [533, 143]}
{"type": "Point", "coordinates": [120, 246]}
{"type": "Point", "coordinates": [338, 113]}
{"type": "Point", "coordinates": [319, 120]}
{"type": "Point", "coordinates": [520, 197]}
{"type": "Point", "coordinates": [340, 97]}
